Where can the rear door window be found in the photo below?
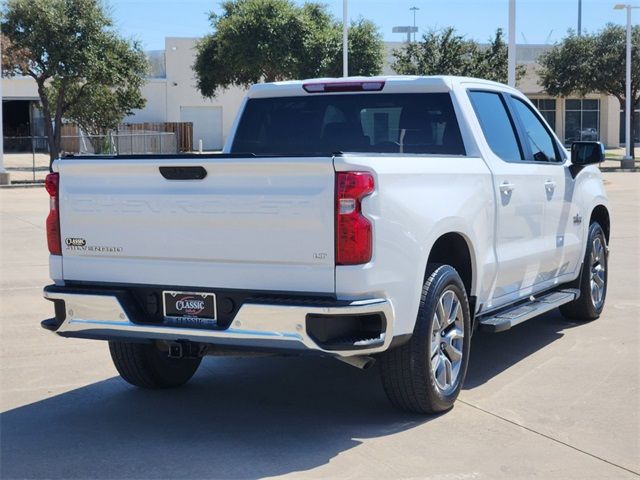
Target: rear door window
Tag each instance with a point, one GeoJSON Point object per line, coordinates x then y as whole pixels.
{"type": "Point", "coordinates": [323, 124]}
{"type": "Point", "coordinates": [497, 125]}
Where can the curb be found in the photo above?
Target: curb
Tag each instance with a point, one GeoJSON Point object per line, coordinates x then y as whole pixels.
{"type": "Point", "coordinates": [618, 169]}
{"type": "Point", "coordinates": [21, 185]}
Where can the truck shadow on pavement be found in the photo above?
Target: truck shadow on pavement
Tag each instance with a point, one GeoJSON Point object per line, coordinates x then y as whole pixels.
{"type": "Point", "coordinates": [237, 419]}
{"type": "Point", "coordinates": [492, 353]}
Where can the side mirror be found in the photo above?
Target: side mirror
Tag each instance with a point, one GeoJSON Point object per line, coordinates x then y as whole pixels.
{"type": "Point", "coordinates": [587, 153]}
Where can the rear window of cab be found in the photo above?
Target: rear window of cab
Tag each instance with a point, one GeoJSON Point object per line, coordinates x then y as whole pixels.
{"type": "Point", "coordinates": [418, 123]}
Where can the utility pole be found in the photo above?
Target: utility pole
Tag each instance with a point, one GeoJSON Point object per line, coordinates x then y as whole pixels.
{"type": "Point", "coordinates": [345, 38]}
{"type": "Point", "coordinates": [629, 105]}
{"type": "Point", "coordinates": [627, 161]}
{"type": "Point", "coordinates": [511, 55]}
{"type": "Point", "coordinates": [579, 17]}
{"type": "Point", "coordinates": [414, 9]}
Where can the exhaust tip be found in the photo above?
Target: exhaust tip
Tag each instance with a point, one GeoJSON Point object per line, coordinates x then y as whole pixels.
{"type": "Point", "coordinates": [363, 362]}
{"type": "Point", "coordinates": [370, 362]}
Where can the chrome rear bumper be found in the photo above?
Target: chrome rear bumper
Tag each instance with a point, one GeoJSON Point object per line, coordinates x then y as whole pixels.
{"type": "Point", "coordinates": [276, 326]}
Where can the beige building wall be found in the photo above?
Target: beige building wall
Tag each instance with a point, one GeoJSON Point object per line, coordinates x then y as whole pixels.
{"type": "Point", "coordinates": [528, 84]}
{"type": "Point", "coordinates": [19, 88]}
{"type": "Point", "coordinates": [610, 121]}
{"type": "Point", "coordinates": [609, 124]}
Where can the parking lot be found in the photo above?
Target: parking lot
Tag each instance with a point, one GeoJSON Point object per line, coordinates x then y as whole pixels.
{"type": "Point", "coordinates": [547, 399]}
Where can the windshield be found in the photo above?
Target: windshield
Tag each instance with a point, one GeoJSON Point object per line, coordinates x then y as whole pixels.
{"type": "Point", "coordinates": [323, 124]}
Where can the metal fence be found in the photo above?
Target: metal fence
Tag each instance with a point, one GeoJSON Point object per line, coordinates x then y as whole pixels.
{"type": "Point", "coordinates": [27, 158]}
{"type": "Point", "coordinates": [133, 142]}
{"type": "Point", "coordinates": [26, 165]}
{"type": "Point", "coordinates": [139, 142]}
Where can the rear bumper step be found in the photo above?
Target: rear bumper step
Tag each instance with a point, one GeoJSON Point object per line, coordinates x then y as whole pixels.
{"type": "Point", "coordinates": [260, 325]}
{"type": "Point", "coordinates": [505, 319]}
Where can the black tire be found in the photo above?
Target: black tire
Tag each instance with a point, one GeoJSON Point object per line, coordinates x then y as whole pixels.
{"type": "Point", "coordinates": [144, 365]}
{"type": "Point", "coordinates": [585, 308]}
{"type": "Point", "coordinates": [406, 371]}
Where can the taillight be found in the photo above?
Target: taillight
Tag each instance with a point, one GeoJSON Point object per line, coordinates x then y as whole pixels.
{"type": "Point", "coordinates": [353, 231]}
{"type": "Point", "coordinates": [53, 220]}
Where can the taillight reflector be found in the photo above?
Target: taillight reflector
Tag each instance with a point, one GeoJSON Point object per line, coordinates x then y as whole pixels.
{"type": "Point", "coordinates": [366, 86]}
{"type": "Point", "coordinates": [53, 220]}
{"type": "Point", "coordinates": [354, 241]}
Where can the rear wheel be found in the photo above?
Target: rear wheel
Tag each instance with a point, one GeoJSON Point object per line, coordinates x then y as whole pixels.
{"type": "Point", "coordinates": [425, 374]}
{"type": "Point", "coordinates": [593, 281]}
{"type": "Point", "coordinates": [146, 366]}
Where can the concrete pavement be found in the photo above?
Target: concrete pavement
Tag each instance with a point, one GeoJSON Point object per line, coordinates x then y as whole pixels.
{"type": "Point", "coordinates": [548, 399]}
{"type": "Point", "coordinates": [27, 167]}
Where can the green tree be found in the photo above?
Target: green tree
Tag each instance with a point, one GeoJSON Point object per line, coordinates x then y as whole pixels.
{"type": "Point", "coordinates": [593, 63]}
{"type": "Point", "coordinates": [491, 61]}
{"type": "Point", "coordinates": [270, 40]}
{"type": "Point", "coordinates": [83, 70]}
{"type": "Point", "coordinates": [445, 52]}
{"type": "Point", "coordinates": [101, 103]}
{"type": "Point", "coordinates": [366, 50]}
{"type": "Point", "coordinates": [322, 55]}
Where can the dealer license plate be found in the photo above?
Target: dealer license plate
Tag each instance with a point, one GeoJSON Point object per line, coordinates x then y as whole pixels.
{"type": "Point", "coordinates": [189, 308]}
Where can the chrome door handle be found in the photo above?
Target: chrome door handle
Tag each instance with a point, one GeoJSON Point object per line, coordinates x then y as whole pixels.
{"type": "Point", "coordinates": [550, 185]}
{"type": "Point", "coordinates": [507, 187]}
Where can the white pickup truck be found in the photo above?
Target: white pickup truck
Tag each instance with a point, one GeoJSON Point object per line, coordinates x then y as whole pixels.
{"type": "Point", "coordinates": [362, 218]}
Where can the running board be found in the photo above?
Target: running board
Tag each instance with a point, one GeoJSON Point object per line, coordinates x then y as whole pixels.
{"type": "Point", "coordinates": [505, 319]}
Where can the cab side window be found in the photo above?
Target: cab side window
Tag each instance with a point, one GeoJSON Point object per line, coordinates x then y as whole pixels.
{"type": "Point", "coordinates": [540, 142]}
{"type": "Point", "coordinates": [497, 125]}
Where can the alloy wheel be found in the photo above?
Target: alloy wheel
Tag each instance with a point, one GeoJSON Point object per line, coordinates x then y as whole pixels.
{"type": "Point", "coordinates": [447, 340]}
{"type": "Point", "coordinates": [598, 278]}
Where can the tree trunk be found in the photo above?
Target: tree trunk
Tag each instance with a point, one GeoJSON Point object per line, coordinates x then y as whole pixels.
{"type": "Point", "coordinates": [53, 125]}
{"type": "Point", "coordinates": [99, 140]}
{"type": "Point", "coordinates": [57, 124]}
{"type": "Point", "coordinates": [48, 125]}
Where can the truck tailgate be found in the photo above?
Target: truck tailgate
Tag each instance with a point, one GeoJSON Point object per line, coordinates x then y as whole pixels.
{"type": "Point", "coordinates": [251, 223]}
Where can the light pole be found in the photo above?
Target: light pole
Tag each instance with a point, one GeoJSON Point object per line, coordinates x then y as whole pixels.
{"type": "Point", "coordinates": [345, 38]}
{"type": "Point", "coordinates": [627, 161]}
{"type": "Point", "coordinates": [4, 175]}
{"type": "Point", "coordinates": [579, 17]}
{"type": "Point", "coordinates": [511, 52]}
{"type": "Point", "coordinates": [414, 10]}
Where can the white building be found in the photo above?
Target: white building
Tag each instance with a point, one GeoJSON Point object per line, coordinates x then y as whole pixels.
{"type": "Point", "coordinates": [172, 96]}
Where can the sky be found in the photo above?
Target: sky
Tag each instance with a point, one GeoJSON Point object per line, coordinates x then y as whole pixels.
{"type": "Point", "coordinates": [537, 21]}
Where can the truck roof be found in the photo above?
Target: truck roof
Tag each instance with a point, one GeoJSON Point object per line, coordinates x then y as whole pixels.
{"type": "Point", "coordinates": [392, 84]}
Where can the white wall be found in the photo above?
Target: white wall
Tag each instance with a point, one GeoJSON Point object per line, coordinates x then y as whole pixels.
{"type": "Point", "coordinates": [207, 126]}
{"type": "Point", "coordinates": [181, 85]}
{"type": "Point", "coordinates": [155, 110]}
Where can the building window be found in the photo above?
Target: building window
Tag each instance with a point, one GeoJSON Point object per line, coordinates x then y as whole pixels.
{"type": "Point", "coordinates": [547, 108]}
{"type": "Point", "coordinates": [581, 120]}
{"type": "Point", "coordinates": [636, 125]}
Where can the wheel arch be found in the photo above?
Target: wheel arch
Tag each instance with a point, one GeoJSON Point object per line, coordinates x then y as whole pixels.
{"type": "Point", "coordinates": [454, 248]}
{"type": "Point", "coordinates": [601, 215]}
